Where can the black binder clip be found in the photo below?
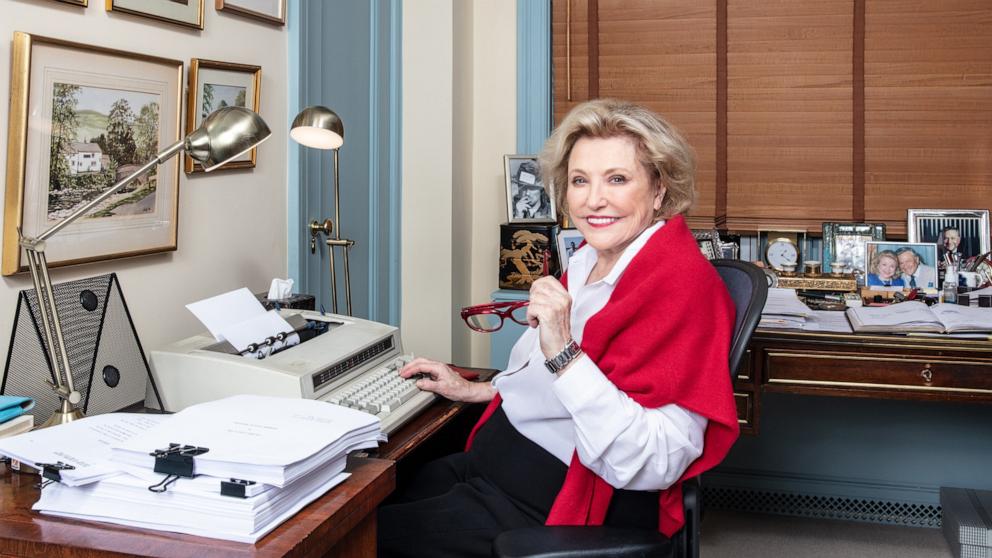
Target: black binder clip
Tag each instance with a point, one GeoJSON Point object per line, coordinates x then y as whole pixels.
{"type": "Point", "coordinates": [174, 461]}
{"type": "Point", "coordinates": [235, 487]}
{"type": "Point", "coordinates": [52, 472]}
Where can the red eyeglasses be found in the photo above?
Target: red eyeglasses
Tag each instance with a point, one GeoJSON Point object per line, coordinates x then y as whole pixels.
{"type": "Point", "coordinates": [487, 318]}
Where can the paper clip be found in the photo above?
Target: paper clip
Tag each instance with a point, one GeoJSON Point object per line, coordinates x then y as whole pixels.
{"type": "Point", "coordinates": [174, 461]}
{"type": "Point", "coordinates": [235, 487]}
{"type": "Point", "coordinates": [52, 472]}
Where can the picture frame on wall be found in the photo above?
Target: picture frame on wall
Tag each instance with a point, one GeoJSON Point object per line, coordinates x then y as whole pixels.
{"type": "Point", "coordinates": [958, 233]}
{"type": "Point", "coordinates": [96, 115]}
{"type": "Point", "coordinates": [845, 243]}
{"type": "Point", "coordinates": [568, 242]}
{"type": "Point", "coordinates": [82, 3]}
{"type": "Point", "coordinates": [271, 11]}
{"type": "Point", "coordinates": [214, 85]}
{"type": "Point", "coordinates": [527, 199]}
{"type": "Point", "coordinates": [188, 13]}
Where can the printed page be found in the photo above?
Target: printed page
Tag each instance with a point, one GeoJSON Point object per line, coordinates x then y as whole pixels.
{"type": "Point", "coordinates": [900, 317]}
{"type": "Point", "coordinates": [85, 444]}
{"type": "Point", "coordinates": [828, 320]}
{"type": "Point", "coordinates": [220, 312]}
{"type": "Point", "coordinates": [784, 302]}
{"type": "Point", "coordinates": [963, 318]}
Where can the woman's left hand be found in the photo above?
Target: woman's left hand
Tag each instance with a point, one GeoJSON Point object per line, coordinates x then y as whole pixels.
{"type": "Point", "coordinates": [551, 308]}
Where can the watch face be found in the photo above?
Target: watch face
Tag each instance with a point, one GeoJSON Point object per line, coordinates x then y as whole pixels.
{"type": "Point", "coordinates": [781, 252]}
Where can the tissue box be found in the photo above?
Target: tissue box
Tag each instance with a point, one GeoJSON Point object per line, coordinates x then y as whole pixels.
{"type": "Point", "coordinates": [296, 302]}
{"type": "Point", "coordinates": [967, 521]}
{"type": "Point", "coordinates": [523, 250]}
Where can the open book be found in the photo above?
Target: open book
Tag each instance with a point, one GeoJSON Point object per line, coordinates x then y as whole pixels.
{"type": "Point", "coordinates": [913, 316]}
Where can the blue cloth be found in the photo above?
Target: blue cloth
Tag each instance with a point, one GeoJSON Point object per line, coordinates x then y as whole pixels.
{"type": "Point", "coordinates": [14, 406]}
{"type": "Point", "coordinates": [875, 281]}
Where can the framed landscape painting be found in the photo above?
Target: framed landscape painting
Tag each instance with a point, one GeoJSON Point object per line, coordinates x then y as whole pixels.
{"type": "Point", "coordinates": [81, 119]}
{"type": "Point", "coordinates": [214, 85]}
{"type": "Point", "coordinates": [272, 11]}
{"type": "Point", "coordinates": [188, 13]}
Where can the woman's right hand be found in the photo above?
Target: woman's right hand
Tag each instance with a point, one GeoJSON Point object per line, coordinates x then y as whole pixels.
{"type": "Point", "coordinates": [439, 378]}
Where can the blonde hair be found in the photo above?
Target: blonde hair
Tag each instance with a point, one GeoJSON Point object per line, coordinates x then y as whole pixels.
{"type": "Point", "coordinates": [661, 149]}
{"type": "Point", "coordinates": [877, 258]}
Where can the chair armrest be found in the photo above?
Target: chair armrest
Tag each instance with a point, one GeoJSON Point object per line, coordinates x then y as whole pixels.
{"type": "Point", "coordinates": [580, 542]}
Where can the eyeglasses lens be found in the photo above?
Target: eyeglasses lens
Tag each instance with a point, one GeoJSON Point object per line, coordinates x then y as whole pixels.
{"type": "Point", "coordinates": [485, 322]}
{"type": "Point", "coordinates": [519, 315]}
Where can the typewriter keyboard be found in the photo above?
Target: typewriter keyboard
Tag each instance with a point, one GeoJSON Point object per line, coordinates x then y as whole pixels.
{"type": "Point", "coordinates": [382, 392]}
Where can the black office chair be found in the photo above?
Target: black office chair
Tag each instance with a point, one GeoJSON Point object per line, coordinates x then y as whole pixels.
{"type": "Point", "coordinates": [748, 288]}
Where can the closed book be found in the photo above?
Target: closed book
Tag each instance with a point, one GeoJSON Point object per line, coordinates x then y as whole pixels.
{"type": "Point", "coordinates": [16, 426]}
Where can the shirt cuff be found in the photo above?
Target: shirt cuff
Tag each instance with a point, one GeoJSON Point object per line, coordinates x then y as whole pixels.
{"type": "Point", "coordinates": [582, 384]}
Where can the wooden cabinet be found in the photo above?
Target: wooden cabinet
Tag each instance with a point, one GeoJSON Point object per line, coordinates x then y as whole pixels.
{"type": "Point", "coordinates": [801, 111]}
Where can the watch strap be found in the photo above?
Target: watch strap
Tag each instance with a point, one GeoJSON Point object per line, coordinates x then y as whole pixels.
{"type": "Point", "coordinates": [562, 359]}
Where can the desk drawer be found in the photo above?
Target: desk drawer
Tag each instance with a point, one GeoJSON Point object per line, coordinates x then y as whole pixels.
{"type": "Point", "coordinates": [879, 371]}
{"type": "Point", "coordinates": [745, 408]}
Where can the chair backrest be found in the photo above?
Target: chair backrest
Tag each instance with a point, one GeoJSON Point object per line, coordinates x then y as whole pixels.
{"type": "Point", "coordinates": [748, 289]}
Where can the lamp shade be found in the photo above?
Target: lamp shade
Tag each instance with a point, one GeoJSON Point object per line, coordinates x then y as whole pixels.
{"type": "Point", "coordinates": [318, 127]}
{"type": "Point", "coordinates": [225, 134]}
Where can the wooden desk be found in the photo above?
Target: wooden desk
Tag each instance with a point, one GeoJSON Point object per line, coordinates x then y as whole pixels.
{"type": "Point", "coordinates": [855, 365]}
{"type": "Point", "coordinates": [339, 523]}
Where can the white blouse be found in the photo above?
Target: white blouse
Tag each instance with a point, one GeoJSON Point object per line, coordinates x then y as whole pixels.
{"type": "Point", "coordinates": [627, 445]}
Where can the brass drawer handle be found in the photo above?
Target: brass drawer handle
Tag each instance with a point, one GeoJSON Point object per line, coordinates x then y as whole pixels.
{"type": "Point", "coordinates": [926, 374]}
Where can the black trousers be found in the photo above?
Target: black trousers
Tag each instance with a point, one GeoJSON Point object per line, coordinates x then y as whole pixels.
{"type": "Point", "coordinates": [457, 505]}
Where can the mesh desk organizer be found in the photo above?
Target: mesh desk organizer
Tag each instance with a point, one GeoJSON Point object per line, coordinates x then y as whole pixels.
{"type": "Point", "coordinates": [107, 361]}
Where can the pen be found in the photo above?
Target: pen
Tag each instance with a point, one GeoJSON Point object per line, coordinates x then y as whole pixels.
{"type": "Point", "coordinates": [822, 296]}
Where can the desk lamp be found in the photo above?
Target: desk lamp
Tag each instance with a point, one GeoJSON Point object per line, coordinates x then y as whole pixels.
{"type": "Point", "coordinates": [224, 135]}
{"type": "Point", "coordinates": [321, 128]}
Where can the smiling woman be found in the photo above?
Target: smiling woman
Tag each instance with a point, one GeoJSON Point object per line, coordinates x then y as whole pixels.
{"type": "Point", "coordinates": [633, 404]}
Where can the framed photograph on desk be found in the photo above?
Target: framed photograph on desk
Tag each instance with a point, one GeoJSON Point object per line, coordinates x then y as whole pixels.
{"type": "Point", "coordinates": [908, 265]}
{"type": "Point", "coordinates": [960, 233]}
{"type": "Point", "coordinates": [527, 199]}
{"type": "Point", "coordinates": [845, 243]}
{"type": "Point", "coordinates": [568, 242]}
{"type": "Point", "coordinates": [96, 115]}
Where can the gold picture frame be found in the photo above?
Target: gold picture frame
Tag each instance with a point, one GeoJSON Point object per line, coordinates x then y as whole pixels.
{"type": "Point", "coordinates": [213, 85]}
{"type": "Point", "coordinates": [83, 3]}
{"type": "Point", "coordinates": [65, 98]}
{"type": "Point", "coordinates": [188, 13]}
{"type": "Point", "coordinates": [274, 10]}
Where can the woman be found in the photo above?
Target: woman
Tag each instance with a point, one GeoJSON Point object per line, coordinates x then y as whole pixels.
{"type": "Point", "coordinates": [884, 270]}
{"type": "Point", "coordinates": [645, 402]}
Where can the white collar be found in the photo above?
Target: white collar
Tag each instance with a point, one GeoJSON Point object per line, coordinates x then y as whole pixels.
{"type": "Point", "coordinates": [581, 263]}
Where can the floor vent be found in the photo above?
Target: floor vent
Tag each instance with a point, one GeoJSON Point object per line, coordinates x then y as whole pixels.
{"type": "Point", "coordinates": [824, 507]}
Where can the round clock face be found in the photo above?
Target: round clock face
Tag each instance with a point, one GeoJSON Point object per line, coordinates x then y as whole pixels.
{"type": "Point", "coordinates": [781, 252]}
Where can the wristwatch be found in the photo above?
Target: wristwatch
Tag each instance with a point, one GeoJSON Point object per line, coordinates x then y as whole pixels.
{"type": "Point", "coordinates": [562, 359]}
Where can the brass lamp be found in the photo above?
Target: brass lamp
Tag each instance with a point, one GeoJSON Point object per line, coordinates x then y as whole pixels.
{"type": "Point", "coordinates": [224, 135]}
{"type": "Point", "coordinates": [321, 128]}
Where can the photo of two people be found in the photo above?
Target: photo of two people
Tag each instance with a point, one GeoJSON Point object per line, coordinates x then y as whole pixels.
{"type": "Point", "coordinates": [906, 265]}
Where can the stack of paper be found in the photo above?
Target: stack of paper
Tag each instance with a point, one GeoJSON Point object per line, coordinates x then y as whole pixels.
{"type": "Point", "coordinates": [283, 453]}
{"type": "Point", "coordinates": [783, 309]}
{"type": "Point", "coordinates": [16, 426]}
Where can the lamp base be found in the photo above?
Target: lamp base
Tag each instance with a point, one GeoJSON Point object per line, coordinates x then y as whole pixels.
{"type": "Point", "coordinates": [66, 414]}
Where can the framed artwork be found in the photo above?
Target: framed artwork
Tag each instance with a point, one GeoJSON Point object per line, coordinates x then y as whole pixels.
{"type": "Point", "coordinates": [82, 118]}
{"type": "Point", "coordinates": [901, 265]}
{"type": "Point", "coordinates": [959, 233]}
{"type": "Point", "coordinates": [82, 3]}
{"type": "Point", "coordinates": [188, 13]}
{"type": "Point", "coordinates": [568, 242]}
{"type": "Point", "coordinates": [213, 85]}
{"type": "Point", "coordinates": [845, 243]}
{"type": "Point", "coordinates": [527, 200]}
{"type": "Point", "coordinates": [272, 11]}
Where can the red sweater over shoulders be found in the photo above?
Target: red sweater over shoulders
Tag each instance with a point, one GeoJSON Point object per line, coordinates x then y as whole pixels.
{"type": "Point", "coordinates": [663, 337]}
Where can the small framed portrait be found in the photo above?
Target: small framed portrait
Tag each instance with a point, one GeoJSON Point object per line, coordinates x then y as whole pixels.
{"type": "Point", "coordinates": [527, 199]}
{"type": "Point", "coordinates": [709, 244]}
{"type": "Point", "coordinates": [214, 85]}
{"type": "Point", "coordinates": [568, 242]}
{"type": "Point", "coordinates": [959, 233]}
{"type": "Point", "coordinates": [901, 265]}
{"type": "Point", "coordinates": [181, 12]}
{"type": "Point", "coordinates": [272, 11]}
{"type": "Point", "coordinates": [844, 243]}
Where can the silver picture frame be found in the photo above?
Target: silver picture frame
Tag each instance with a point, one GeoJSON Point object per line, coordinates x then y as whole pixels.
{"type": "Point", "coordinates": [940, 225]}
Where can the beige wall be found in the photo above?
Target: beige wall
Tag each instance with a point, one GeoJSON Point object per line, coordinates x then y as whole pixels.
{"type": "Point", "coordinates": [459, 119]}
{"type": "Point", "coordinates": [232, 225]}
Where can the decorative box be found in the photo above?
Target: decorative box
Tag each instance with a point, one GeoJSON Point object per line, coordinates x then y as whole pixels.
{"type": "Point", "coordinates": [967, 521]}
{"type": "Point", "coordinates": [526, 252]}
